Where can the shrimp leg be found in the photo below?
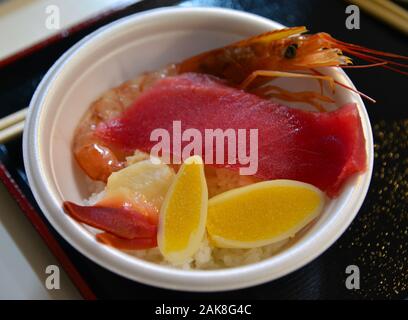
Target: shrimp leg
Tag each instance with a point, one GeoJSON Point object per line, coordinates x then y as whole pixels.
{"type": "Point", "coordinates": [270, 73]}
{"type": "Point", "coordinates": [309, 97]}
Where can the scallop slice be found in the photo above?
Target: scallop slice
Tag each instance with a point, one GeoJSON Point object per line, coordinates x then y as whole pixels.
{"type": "Point", "coordinates": [141, 186]}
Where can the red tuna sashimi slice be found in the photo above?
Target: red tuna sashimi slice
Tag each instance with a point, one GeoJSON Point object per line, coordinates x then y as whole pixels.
{"type": "Point", "coordinates": [323, 149]}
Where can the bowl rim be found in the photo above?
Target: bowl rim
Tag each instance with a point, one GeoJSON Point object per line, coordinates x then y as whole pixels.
{"type": "Point", "coordinates": [145, 272]}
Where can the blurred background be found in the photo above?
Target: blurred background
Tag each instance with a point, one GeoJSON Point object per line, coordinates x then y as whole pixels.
{"type": "Point", "coordinates": [377, 240]}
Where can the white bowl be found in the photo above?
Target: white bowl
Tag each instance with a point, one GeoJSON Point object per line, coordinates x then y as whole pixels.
{"type": "Point", "coordinates": [120, 51]}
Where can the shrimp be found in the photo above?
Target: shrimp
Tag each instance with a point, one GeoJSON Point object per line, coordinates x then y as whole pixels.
{"type": "Point", "coordinates": [253, 62]}
{"type": "Point", "coordinates": [96, 159]}
{"type": "Point", "coordinates": [249, 64]}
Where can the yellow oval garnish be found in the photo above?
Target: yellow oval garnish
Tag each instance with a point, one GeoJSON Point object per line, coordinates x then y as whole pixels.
{"type": "Point", "coordinates": [184, 213]}
{"type": "Point", "coordinates": [262, 213]}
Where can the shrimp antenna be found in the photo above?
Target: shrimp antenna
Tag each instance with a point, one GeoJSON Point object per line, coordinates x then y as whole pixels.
{"type": "Point", "coordinates": [364, 66]}
{"type": "Point", "coordinates": [370, 55]}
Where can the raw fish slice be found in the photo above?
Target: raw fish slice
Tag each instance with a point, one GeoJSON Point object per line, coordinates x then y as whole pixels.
{"type": "Point", "coordinates": [323, 149]}
{"type": "Point", "coordinates": [121, 222]}
{"type": "Point", "coordinates": [126, 244]}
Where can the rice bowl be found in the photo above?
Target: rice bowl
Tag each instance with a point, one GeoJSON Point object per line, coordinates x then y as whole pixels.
{"type": "Point", "coordinates": [47, 169]}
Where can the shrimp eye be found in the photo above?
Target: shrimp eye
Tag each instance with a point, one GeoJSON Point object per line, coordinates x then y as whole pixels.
{"type": "Point", "coordinates": [290, 51]}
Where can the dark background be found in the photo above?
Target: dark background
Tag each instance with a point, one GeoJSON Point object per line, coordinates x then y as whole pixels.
{"type": "Point", "coordinates": [376, 241]}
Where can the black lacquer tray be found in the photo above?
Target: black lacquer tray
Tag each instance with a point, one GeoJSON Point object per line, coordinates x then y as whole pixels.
{"type": "Point", "coordinates": [377, 240]}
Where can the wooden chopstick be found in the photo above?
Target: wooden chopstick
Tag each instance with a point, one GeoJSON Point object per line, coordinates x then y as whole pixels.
{"type": "Point", "coordinates": [387, 11]}
{"type": "Point", "coordinates": [393, 7]}
{"type": "Point", "coordinates": [12, 125]}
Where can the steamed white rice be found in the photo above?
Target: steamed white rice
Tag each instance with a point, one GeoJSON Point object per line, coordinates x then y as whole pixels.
{"type": "Point", "coordinates": [208, 257]}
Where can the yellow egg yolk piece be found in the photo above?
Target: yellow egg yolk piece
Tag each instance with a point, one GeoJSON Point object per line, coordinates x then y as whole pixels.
{"type": "Point", "coordinates": [184, 212]}
{"type": "Point", "coordinates": [262, 213]}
